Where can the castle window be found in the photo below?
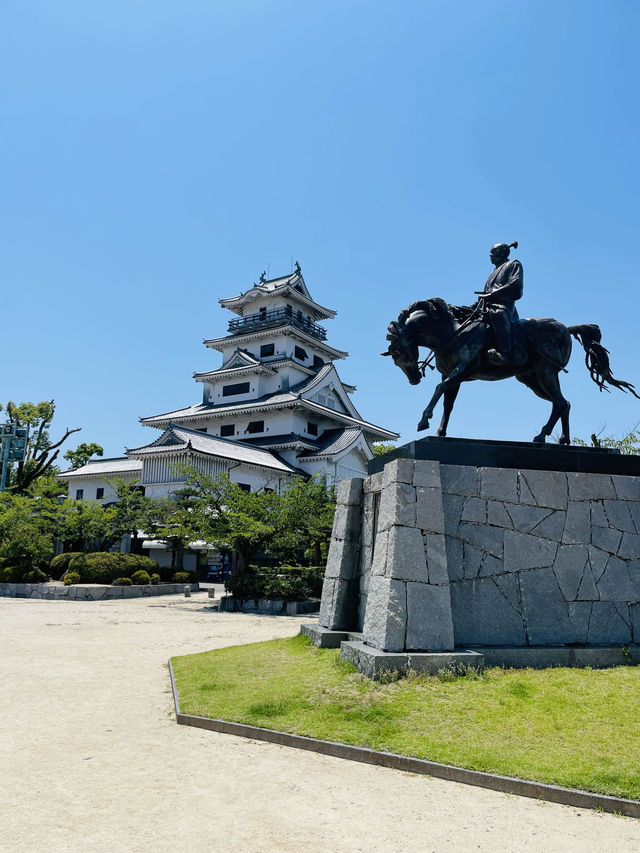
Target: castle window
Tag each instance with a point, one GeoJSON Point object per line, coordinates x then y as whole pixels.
{"type": "Point", "coordinates": [300, 353]}
{"type": "Point", "coordinates": [255, 426]}
{"type": "Point", "coordinates": [244, 486]}
{"type": "Point", "coordinates": [266, 349]}
{"type": "Point", "coordinates": [317, 362]}
{"type": "Point", "coordinates": [237, 388]}
{"type": "Point", "coordinates": [79, 494]}
{"type": "Point", "coordinates": [227, 429]}
{"type": "Point", "coordinates": [99, 493]}
{"type": "Point", "coordinates": [312, 428]}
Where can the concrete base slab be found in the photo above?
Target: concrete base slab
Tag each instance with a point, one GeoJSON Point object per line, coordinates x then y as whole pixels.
{"type": "Point", "coordinates": [325, 638]}
{"type": "Point", "coordinates": [541, 657]}
{"type": "Point", "coordinates": [373, 662]}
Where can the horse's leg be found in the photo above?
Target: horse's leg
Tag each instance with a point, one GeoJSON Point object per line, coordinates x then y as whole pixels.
{"type": "Point", "coordinates": [450, 395]}
{"type": "Point", "coordinates": [545, 384]}
{"type": "Point", "coordinates": [454, 378]}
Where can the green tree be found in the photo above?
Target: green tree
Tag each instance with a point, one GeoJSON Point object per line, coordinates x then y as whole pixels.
{"type": "Point", "coordinates": [131, 511]}
{"type": "Point", "coordinates": [42, 452]}
{"type": "Point", "coordinates": [27, 529]}
{"type": "Point", "coordinates": [380, 449]}
{"type": "Point", "coordinates": [229, 518]}
{"type": "Point", "coordinates": [172, 520]}
{"type": "Point", "coordinates": [628, 444]}
{"type": "Point", "coordinates": [82, 454]}
{"type": "Point", "coordinates": [307, 511]}
{"type": "Point", "coordinates": [85, 525]}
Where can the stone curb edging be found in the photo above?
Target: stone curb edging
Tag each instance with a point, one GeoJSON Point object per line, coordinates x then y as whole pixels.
{"type": "Point", "coordinates": [505, 784]}
{"type": "Point", "coordinates": [80, 592]}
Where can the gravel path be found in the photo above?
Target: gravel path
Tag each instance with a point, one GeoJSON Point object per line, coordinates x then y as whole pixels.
{"type": "Point", "coordinates": [91, 758]}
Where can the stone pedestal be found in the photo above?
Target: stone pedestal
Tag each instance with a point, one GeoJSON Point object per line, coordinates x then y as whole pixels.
{"type": "Point", "coordinates": [433, 557]}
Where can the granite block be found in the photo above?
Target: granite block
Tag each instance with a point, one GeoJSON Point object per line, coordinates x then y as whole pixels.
{"type": "Point", "coordinates": [484, 537]}
{"type": "Point", "coordinates": [524, 518]}
{"type": "Point", "coordinates": [598, 515]}
{"type": "Point", "coordinates": [630, 546]}
{"type": "Point", "coordinates": [342, 560]}
{"type": "Point", "coordinates": [578, 525]}
{"type": "Point", "coordinates": [585, 487]}
{"type": "Point", "coordinates": [598, 560]}
{"type": "Point", "coordinates": [429, 510]}
{"type": "Point", "coordinates": [474, 509]}
{"type": "Point", "coordinates": [587, 590]}
{"type": "Point", "coordinates": [569, 567]}
{"type": "Point", "coordinates": [429, 623]}
{"type": "Point", "coordinates": [405, 555]}
{"type": "Point", "coordinates": [634, 613]}
{"type": "Point", "coordinates": [544, 488]}
{"type": "Point", "coordinates": [386, 617]}
{"type": "Point", "coordinates": [627, 488]}
{"type": "Point", "coordinates": [380, 554]}
{"type": "Point", "coordinates": [473, 559]}
{"type": "Point", "coordinates": [615, 583]}
{"type": "Point", "coordinates": [523, 551]}
{"type": "Point", "coordinates": [426, 473]}
{"type": "Point", "coordinates": [499, 484]}
{"type": "Point", "coordinates": [545, 611]}
{"type": "Point", "coordinates": [350, 491]}
{"type": "Point", "coordinates": [452, 510]}
{"type": "Point", "coordinates": [347, 520]}
{"type": "Point", "coordinates": [482, 614]}
{"type": "Point", "coordinates": [455, 560]}
{"type": "Point", "coordinates": [497, 515]}
{"type": "Point", "coordinates": [398, 471]}
{"type": "Point", "coordinates": [580, 615]}
{"type": "Point", "coordinates": [619, 516]}
{"type": "Point", "coordinates": [606, 539]}
{"type": "Point", "coordinates": [606, 624]}
{"type": "Point", "coordinates": [552, 527]}
{"type": "Point", "coordinates": [459, 479]}
{"type": "Point", "coordinates": [436, 558]}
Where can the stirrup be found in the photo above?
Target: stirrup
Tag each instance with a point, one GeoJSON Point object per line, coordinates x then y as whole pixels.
{"type": "Point", "coordinates": [497, 358]}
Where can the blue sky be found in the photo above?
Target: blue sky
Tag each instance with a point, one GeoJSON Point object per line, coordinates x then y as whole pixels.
{"type": "Point", "coordinates": [156, 156]}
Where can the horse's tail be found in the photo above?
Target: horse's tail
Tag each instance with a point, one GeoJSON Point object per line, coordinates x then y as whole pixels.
{"type": "Point", "coordinates": [597, 358]}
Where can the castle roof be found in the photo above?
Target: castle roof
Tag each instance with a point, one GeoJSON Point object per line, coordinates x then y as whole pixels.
{"type": "Point", "coordinates": [182, 439]}
{"type": "Point", "coordinates": [114, 467]}
{"type": "Point", "coordinates": [290, 286]}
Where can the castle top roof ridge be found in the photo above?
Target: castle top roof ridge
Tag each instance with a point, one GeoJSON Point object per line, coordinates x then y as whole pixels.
{"type": "Point", "coordinates": [292, 285]}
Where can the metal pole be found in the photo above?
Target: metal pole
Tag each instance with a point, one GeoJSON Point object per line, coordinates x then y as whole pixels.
{"type": "Point", "coordinates": [6, 445]}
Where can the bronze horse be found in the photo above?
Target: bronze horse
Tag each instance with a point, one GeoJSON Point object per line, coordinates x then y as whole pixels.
{"type": "Point", "coordinates": [460, 338]}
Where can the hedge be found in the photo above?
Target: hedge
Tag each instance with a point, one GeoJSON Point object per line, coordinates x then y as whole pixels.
{"type": "Point", "coordinates": [60, 564]}
{"type": "Point", "coordinates": [292, 583]}
{"type": "Point", "coordinates": [104, 567]}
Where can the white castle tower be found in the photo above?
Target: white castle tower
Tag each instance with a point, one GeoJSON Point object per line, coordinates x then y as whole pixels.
{"type": "Point", "coordinates": [276, 407]}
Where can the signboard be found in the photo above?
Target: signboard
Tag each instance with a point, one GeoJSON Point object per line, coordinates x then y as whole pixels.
{"type": "Point", "coordinates": [13, 447]}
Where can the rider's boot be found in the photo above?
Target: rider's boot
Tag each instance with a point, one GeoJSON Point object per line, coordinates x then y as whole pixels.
{"type": "Point", "coordinates": [497, 358]}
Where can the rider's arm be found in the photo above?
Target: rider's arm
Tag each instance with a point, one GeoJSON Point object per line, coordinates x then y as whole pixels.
{"type": "Point", "coordinates": [513, 289]}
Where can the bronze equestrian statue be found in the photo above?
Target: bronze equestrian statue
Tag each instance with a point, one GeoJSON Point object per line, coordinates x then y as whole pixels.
{"type": "Point", "coordinates": [488, 341]}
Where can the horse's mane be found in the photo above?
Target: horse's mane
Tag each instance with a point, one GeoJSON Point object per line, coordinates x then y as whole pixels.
{"type": "Point", "coordinates": [459, 312]}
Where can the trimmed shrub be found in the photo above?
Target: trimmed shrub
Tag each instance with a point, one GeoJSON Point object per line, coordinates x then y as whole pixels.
{"type": "Point", "coordinates": [34, 576]}
{"type": "Point", "coordinates": [181, 577]}
{"type": "Point", "coordinates": [121, 582]}
{"type": "Point", "coordinates": [104, 566]}
{"type": "Point", "coordinates": [60, 564]}
{"type": "Point", "coordinates": [141, 577]}
{"type": "Point", "coordinates": [71, 577]}
{"type": "Point", "coordinates": [11, 574]}
{"type": "Point", "coordinates": [293, 584]}
{"type": "Point", "coordinates": [155, 579]}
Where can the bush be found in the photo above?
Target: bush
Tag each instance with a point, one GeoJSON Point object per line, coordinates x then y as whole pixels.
{"type": "Point", "coordinates": [11, 574]}
{"type": "Point", "coordinates": [155, 579]}
{"type": "Point", "coordinates": [71, 577]}
{"type": "Point", "coordinates": [141, 577]}
{"type": "Point", "coordinates": [121, 582]}
{"type": "Point", "coordinates": [104, 566]}
{"type": "Point", "coordinates": [181, 577]}
{"type": "Point", "coordinates": [60, 564]}
{"type": "Point", "coordinates": [34, 576]}
{"type": "Point", "coordinates": [292, 583]}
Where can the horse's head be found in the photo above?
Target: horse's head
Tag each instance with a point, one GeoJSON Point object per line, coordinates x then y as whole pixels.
{"type": "Point", "coordinates": [403, 347]}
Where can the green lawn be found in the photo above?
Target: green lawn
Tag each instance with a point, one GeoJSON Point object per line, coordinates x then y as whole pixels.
{"type": "Point", "coordinates": [574, 727]}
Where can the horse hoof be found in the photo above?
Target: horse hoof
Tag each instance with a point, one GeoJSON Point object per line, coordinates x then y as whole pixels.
{"type": "Point", "coordinates": [423, 425]}
{"type": "Point", "coordinates": [442, 433]}
{"type": "Point", "coordinates": [564, 440]}
{"type": "Point", "coordinates": [539, 439]}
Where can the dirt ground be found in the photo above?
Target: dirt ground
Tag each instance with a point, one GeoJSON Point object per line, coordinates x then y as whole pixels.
{"type": "Point", "coordinates": [91, 758]}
